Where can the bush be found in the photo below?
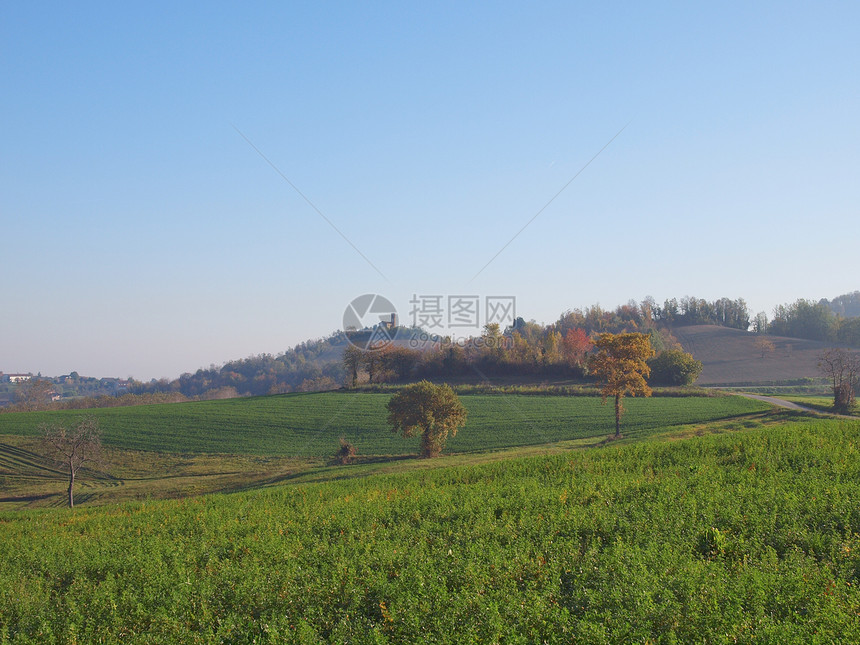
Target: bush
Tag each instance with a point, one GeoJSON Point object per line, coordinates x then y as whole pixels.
{"type": "Point", "coordinates": [674, 367]}
{"type": "Point", "coordinates": [346, 453]}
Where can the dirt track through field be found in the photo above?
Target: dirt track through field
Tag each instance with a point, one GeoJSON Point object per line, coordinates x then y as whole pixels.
{"type": "Point", "coordinates": [791, 405]}
{"type": "Point", "coordinates": [779, 402]}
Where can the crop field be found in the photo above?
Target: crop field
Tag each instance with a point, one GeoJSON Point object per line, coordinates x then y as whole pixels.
{"type": "Point", "coordinates": [744, 537]}
{"type": "Point", "coordinates": [309, 425]}
{"type": "Point", "coordinates": [731, 356]}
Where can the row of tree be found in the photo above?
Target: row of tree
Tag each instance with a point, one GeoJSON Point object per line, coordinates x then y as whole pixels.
{"type": "Point", "coordinates": [521, 350]}
{"type": "Point", "coordinates": [649, 314]}
{"type": "Point", "coordinates": [526, 348]}
{"type": "Point", "coordinates": [534, 350]}
{"type": "Point", "coordinates": [811, 320]}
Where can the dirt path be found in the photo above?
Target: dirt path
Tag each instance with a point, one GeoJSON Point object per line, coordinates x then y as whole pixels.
{"type": "Point", "coordinates": [791, 405]}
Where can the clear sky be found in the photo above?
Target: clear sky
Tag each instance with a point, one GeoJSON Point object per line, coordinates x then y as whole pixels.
{"type": "Point", "coordinates": [142, 235]}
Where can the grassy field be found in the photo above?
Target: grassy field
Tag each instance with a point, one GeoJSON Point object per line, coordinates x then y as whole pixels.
{"type": "Point", "coordinates": [309, 425]}
{"type": "Point", "coordinates": [745, 537]}
{"type": "Point", "coordinates": [179, 450]}
{"type": "Point", "coordinates": [822, 403]}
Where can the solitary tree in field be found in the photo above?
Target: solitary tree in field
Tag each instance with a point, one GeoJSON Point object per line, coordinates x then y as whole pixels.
{"type": "Point", "coordinates": [434, 411]}
{"type": "Point", "coordinates": [842, 368]}
{"type": "Point", "coordinates": [765, 346]}
{"type": "Point", "coordinates": [73, 447]}
{"type": "Point", "coordinates": [620, 366]}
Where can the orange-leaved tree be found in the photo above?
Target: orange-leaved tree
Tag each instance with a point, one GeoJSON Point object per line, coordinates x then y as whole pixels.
{"type": "Point", "coordinates": [620, 366]}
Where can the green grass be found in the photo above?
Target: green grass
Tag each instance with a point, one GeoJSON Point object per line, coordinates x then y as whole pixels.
{"type": "Point", "coordinates": [745, 537]}
{"type": "Point", "coordinates": [822, 403]}
{"type": "Point", "coordinates": [309, 425]}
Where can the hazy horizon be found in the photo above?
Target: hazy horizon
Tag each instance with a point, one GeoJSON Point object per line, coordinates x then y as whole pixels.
{"type": "Point", "coordinates": [153, 158]}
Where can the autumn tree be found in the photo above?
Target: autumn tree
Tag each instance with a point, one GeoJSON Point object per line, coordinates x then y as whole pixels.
{"type": "Point", "coordinates": [551, 348]}
{"type": "Point", "coordinates": [73, 447]}
{"type": "Point", "coordinates": [575, 347]}
{"type": "Point", "coordinates": [397, 363]}
{"type": "Point", "coordinates": [353, 358]}
{"type": "Point", "coordinates": [433, 411]}
{"type": "Point", "coordinates": [842, 369]}
{"type": "Point", "coordinates": [764, 346]}
{"type": "Point", "coordinates": [372, 361]}
{"type": "Point", "coordinates": [620, 366]}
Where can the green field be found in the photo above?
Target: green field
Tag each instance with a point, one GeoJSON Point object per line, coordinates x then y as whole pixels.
{"type": "Point", "coordinates": [309, 425]}
{"type": "Point", "coordinates": [821, 403]}
{"type": "Point", "coordinates": [745, 537]}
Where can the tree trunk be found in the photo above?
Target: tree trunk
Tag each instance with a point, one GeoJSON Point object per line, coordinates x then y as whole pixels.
{"type": "Point", "coordinates": [71, 488]}
{"type": "Point", "coordinates": [429, 447]}
{"type": "Point", "coordinates": [617, 415]}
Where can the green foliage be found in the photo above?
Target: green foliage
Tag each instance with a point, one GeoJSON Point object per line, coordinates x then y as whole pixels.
{"type": "Point", "coordinates": [804, 319]}
{"type": "Point", "coordinates": [847, 305]}
{"type": "Point", "coordinates": [697, 311]}
{"type": "Point", "coordinates": [751, 537]}
{"type": "Point", "coordinates": [848, 331]}
{"type": "Point", "coordinates": [433, 411]}
{"type": "Point", "coordinates": [674, 367]}
{"type": "Point", "coordinates": [308, 425]}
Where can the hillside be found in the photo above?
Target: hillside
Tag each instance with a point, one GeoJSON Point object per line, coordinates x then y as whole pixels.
{"type": "Point", "coordinates": [741, 537]}
{"type": "Point", "coordinates": [730, 355]}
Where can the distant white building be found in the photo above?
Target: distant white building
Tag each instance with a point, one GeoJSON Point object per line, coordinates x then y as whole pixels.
{"type": "Point", "coordinates": [19, 378]}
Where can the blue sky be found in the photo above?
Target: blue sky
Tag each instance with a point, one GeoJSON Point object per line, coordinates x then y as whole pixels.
{"type": "Point", "coordinates": [142, 235]}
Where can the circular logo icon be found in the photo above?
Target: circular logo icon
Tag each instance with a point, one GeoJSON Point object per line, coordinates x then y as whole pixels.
{"type": "Point", "coordinates": [370, 321]}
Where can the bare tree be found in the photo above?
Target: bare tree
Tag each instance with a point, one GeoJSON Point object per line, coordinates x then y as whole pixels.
{"type": "Point", "coordinates": [73, 447]}
{"type": "Point", "coordinates": [842, 368]}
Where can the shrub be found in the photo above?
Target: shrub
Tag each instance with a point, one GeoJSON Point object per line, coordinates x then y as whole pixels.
{"type": "Point", "coordinates": [674, 367]}
{"type": "Point", "coordinates": [346, 453]}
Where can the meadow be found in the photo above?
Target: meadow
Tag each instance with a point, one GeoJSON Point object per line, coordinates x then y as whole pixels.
{"type": "Point", "coordinates": [749, 536]}
{"type": "Point", "coordinates": [820, 403]}
{"type": "Point", "coordinates": [309, 425]}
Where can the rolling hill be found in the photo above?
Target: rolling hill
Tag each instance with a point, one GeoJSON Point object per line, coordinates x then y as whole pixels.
{"type": "Point", "coordinates": [730, 356]}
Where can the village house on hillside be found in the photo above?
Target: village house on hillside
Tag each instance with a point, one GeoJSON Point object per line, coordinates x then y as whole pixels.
{"type": "Point", "coordinates": [18, 378]}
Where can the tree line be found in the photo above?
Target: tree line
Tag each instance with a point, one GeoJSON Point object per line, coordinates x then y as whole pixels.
{"type": "Point", "coordinates": [830, 321]}
{"type": "Point", "coordinates": [525, 349]}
